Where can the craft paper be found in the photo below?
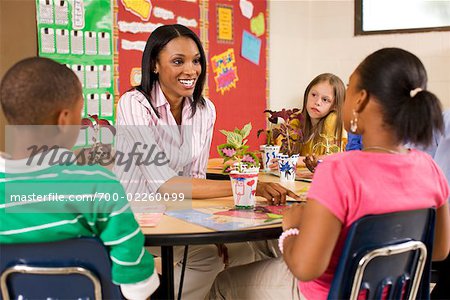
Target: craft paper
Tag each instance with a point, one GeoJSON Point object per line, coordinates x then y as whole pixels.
{"type": "Point", "coordinates": [104, 76]}
{"type": "Point", "coordinates": [162, 13]}
{"type": "Point", "coordinates": [104, 43]}
{"type": "Point", "coordinates": [140, 8]}
{"type": "Point", "coordinates": [91, 79]}
{"type": "Point", "coordinates": [137, 27]}
{"type": "Point", "coordinates": [47, 40]}
{"type": "Point", "coordinates": [246, 8]}
{"type": "Point", "coordinates": [251, 47]}
{"type": "Point", "coordinates": [45, 12]}
{"type": "Point", "coordinates": [106, 103]}
{"type": "Point", "coordinates": [257, 25]}
{"type": "Point", "coordinates": [225, 71]}
{"type": "Point", "coordinates": [78, 14]}
{"type": "Point", "coordinates": [224, 23]}
{"type": "Point", "coordinates": [62, 41]}
{"type": "Point", "coordinates": [187, 22]}
{"type": "Point", "coordinates": [76, 42]}
{"type": "Point", "coordinates": [61, 12]}
{"type": "Point", "coordinates": [90, 41]}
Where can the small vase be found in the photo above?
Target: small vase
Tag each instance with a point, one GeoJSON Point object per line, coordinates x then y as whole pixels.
{"type": "Point", "coordinates": [244, 188]}
{"type": "Point", "coordinates": [287, 166]}
{"type": "Point", "coordinates": [268, 152]}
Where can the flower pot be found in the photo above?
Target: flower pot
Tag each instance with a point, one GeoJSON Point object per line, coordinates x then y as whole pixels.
{"type": "Point", "coordinates": [268, 152]}
{"type": "Point", "coordinates": [244, 188]}
{"type": "Point", "coordinates": [287, 166]}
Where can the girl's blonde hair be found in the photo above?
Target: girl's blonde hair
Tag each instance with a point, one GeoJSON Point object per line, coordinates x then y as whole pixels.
{"type": "Point", "coordinates": [309, 131]}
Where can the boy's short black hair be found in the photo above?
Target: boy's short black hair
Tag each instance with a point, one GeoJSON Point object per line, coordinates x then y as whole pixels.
{"type": "Point", "coordinates": [36, 89]}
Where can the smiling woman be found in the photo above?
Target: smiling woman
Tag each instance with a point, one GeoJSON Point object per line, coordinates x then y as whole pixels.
{"type": "Point", "coordinates": [168, 114]}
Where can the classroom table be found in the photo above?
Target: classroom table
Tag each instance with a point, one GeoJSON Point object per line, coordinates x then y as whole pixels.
{"type": "Point", "coordinates": [172, 232]}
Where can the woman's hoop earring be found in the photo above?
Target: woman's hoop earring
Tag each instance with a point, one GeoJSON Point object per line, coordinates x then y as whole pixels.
{"type": "Point", "coordinates": [354, 122]}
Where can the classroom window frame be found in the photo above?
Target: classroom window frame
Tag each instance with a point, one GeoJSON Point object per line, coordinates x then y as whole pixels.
{"type": "Point", "coordinates": [359, 19]}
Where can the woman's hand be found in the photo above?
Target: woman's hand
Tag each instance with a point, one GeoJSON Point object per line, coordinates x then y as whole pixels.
{"type": "Point", "coordinates": [292, 216]}
{"type": "Point", "coordinates": [274, 193]}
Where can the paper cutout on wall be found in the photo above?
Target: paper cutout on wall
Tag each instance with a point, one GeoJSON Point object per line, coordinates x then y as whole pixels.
{"type": "Point", "coordinates": [187, 22]}
{"type": "Point", "coordinates": [251, 47]}
{"type": "Point", "coordinates": [162, 13]}
{"type": "Point", "coordinates": [78, 21]}
{"type": "Point", "coordinates": [225, 71]}
{"type": "Point", "coordinates": [246, 8]}
{"type": "Point", "coordinates": [140, 8]}
{"type": "Point", "coordinates": [224, 23]}
{"type": "Point", "coordinates": [133, 45]}
{"type": "Point", "coordinates": [135, 76]}
{"type": "Point", "coordinates": [137, 27]}
{"type": "Point", "coordinates": [257, 24]}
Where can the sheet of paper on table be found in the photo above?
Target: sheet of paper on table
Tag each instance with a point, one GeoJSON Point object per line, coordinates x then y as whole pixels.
{"type": "Point", "coordinates": [226, 218]}
{"type": "Point", "coordinates": [149, 216]}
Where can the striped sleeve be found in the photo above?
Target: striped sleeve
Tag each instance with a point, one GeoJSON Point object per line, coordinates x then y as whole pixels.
{"type": "Point", "coordinates": [134, 135]}
{"type": "Point", "coordinates": [120, 232]}
{"type": "Point", "coordinates": [208, 120]}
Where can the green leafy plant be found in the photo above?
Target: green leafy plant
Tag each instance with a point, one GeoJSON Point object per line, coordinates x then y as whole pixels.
{"type": "Point", "coordinates": [235, 153]}
{"type": "Point", "coordinates": [327, 144]}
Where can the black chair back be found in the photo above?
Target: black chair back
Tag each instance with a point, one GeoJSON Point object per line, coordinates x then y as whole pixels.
{"type": "Point", "coordinates": [70, 269]}
{"type": "Point", "coordinates": [383, 256]}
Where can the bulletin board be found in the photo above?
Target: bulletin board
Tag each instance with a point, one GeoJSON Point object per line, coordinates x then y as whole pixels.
{"type": "Point", "coordinates": [238, 77]}
{"type": "Point", "coordinates": [136, 20]}
{"type": "Point", "coordinates": [79, 33]}
{"type": "Point", "coordinates": [237, 73]}
{"type": "Point", "coordinates": [103, 42]}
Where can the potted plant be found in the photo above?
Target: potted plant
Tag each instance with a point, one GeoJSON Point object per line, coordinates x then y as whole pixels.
{"type": "Point", "coordinates": [269, 150]}
{"type": "Point", "coordinates": [242, 165]}
{"type": "Point", "coordinates": [98, 152]}
{"type": "Point", "coordinates": [289, 135]}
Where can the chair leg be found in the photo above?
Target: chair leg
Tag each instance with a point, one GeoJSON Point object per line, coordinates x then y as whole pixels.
{"type": "Point", "coordinates": [183, 269]}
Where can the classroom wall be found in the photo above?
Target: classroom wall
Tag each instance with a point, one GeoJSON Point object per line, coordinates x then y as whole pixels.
{"type": "Point", "coordinates": [17, 39]}
{"type": "Point", "coordinates": [312, 37]}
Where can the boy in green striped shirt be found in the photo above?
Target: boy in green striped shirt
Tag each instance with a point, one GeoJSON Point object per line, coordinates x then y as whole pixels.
{"type": "Point", "coordinates": [47, 197]}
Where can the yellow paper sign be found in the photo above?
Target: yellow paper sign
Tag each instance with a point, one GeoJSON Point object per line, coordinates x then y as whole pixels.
{"type": "Point", "coordinates": [225, 71]}
{"type": "Point", "coordinates": [140, 8]}
{"type": "Point", "coordinates": [257, 25]}
{"type": "Point", "coordinates": [225, 23]}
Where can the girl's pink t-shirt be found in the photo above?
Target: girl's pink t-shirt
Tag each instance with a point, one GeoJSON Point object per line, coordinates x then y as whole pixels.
{"type": "Point", "coordinates": [356, 183]}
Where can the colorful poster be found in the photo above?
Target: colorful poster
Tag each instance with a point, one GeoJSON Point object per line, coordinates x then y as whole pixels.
{"type": "Point", "coordinates": [224, 24]}
{"type": "Point", "coordinates": [251, 47]}
{"type": "Point", "coordinates": [225, 72]}
{"type": "Point", "coordinates": [238, 101]}
{"type": "Point", "coordinates": [79, 33]}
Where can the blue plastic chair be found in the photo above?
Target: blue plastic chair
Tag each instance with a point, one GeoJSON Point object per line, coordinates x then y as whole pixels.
{"type": "Point", "coordinates": [70, 269]}
{"type": "Point", "coordinates": [386, 256]}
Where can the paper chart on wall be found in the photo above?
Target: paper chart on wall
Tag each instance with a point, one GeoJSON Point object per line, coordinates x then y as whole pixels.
{"type": "Point", "coordinates": [78, 33]}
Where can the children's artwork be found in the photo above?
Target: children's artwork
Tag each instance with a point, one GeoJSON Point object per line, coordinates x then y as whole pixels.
{"type": "Point", "coordinates": [227, 218]}
{"type": "Point", "coordinates": [224, 23]}
{"type": "Point", "coordinates": [140, 8]}
{"type": "Point", "coordinates": [246, 8]}
{"type": "Point", "coordinates": [79, 34]}
{"type": "Point", "coordinates": [225, 71]}
{"type": "Point", "coordinates": [251, 47]}
{"type": "Point", "coordinates": [257, 25]}
{"type": "Point", "coordinates": [162, 13]}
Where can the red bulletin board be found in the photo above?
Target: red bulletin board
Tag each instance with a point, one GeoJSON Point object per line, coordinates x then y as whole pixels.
{"type": "Point", "coordinates": [136, 19]}
{"type": "Point", "coordinates": [237, 72]}
{"type": "Point", "coordinates": [240, 92]}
